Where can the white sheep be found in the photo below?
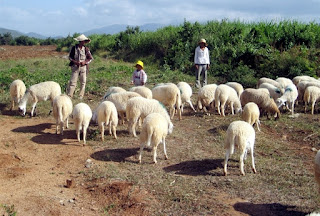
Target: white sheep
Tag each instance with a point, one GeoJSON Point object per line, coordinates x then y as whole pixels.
{"type": "Point", "coordinates": [268, 80]}
{"type": "Point", "coordinates": [262, 99]}
{"type": "Point", "coordinates": [242, 135]}
{"type": "Point", "coordinates": [82, 115]}
{"type": "Point", "coordinates": [311, 95]}
{"type": "Point", "coordinates": [112, 90]}
{"type": "Point", "coordinates": [154, 130]}
{"type": "Point", "coordinates": [251, 114]}
{"type": "Point", "coordinates": [17, 90]}
{"type": "Point", "coordinates": [39, 92]}
{"type": "Point", "coordinates": [317, 169]}
{"type": "Point", "coordinates": [140, 107]}
{"type": "Point", "coordinates": [288, 98]}
{"type": "Point", "coordinates": [236, 86]}
{"type": "Point", "coordinates": [106, 114]}
{"type": "Point", "coordinates": [120, 101]}
{"type": "Point", "coordinates": [206, 97]}
{"type": "Point", "coordinates": [302, 87]}
{"type": "Point", "coordinates": [284, 82]}
{"type": "Point", "coordinates": [186, 93]}
{"type": "Point", "coordinates": [169, 95]}
{"type": "Point", "coordinates": [62, 109]}
{"type": "Point", "coordinates": [298, 79]}
{"type": "Point", "coordinates": [226, 95]}
{"type": "Point", "coordinates": [274, 92]}
{"type": "Point", "coordinates": [143, 91]}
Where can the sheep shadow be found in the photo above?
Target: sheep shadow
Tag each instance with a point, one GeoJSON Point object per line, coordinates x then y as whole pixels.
{"type": "Point", "coordinates": [56, 139]}
{"type": "Point", "coordinates": [33, 128]}
{"type": "Point", "coordinates": [266, 209]}
{"type": "Point", "coordinates": [196, 167]}
{"type": "Point", "coordinates": [216, 130]}
{"type": "Point", "coordinates": [115, 155]}
{"type": "Point", "coordinates": [6, 111]}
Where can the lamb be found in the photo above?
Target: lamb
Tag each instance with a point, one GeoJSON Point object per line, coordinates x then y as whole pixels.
{"type": "Point", "coordinates": [206, 97]}
{"type": "Point", "coordinates": [225, 94]}
{"type": "Point", "coordinates": [140, 107]}
{"type": "Point", "coordinates": [143, 91]}
{"type": "Point", "coordinates": [289, 97]}
{"type": "Point", "coordinates": [169, 95]}
{"type": "Point", "coordinates": [17, 90]}
{"type": "Point", "coordinates": [311, 94]}
{"type": "Point", "coordinates": [154, 130]}
{"type": "Point", "coordinates": [262, 99]}
{"type": "Point", "coordinates": [39, 92]}
{"type": "Point", "coordinates": [106, 114]}
{"type": "Point", "coordinates": [82, 115]}
{"type": "Point", "coordinates": [236, 86]}
{"type": "Point", "coordinates": [112, 90]}
{"type": "Point", "coordinates": [120, 101]}
{"type": "Point", "coordinates": [274, 92]}
{"type": "Point", "coordinates": [268, 80]}
{"type": "Point", "coordinates": [62, 109]}
{"type": "Point", "coordinates": [284, 82]}
{"type": "Point", "coordinates": [317, 168]}
{"type": "Point", "coordinates": [241, 134]}
{"type": "Point", "coordinates": [251, 114]}
{"type": "Point", "coordinates": [186, 93]}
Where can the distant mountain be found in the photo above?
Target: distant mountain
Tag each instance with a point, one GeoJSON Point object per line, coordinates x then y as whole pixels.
{"type": "Point", "coordinates": [114, 29]}
{"type": "Point", "coordinates": [35, 35]}
{"type": "Point", "coordinates": [15, 33]}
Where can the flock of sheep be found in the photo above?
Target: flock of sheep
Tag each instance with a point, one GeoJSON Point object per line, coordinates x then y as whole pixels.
{"type": "Point", "coordinates": [141, 104]}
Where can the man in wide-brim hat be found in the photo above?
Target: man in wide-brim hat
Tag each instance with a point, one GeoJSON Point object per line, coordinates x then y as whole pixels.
{"type": "Point", "coordinates": [80, 57]}
{"type": "Point", "coordinates": [201, 62]}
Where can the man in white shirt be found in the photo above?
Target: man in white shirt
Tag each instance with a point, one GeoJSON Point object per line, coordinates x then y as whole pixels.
{"type": "Point", "coordinates": [201, 62]}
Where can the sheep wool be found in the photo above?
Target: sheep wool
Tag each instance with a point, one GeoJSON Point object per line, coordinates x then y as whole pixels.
{"type": "Point", "coordinates": [311, 95]}
{"type": "Point", "coordinates": [236, 86]}
{"type": "Point", "coordinates": [289, 97]}
{"type": "Point", "coordinates": [154, 130]}
{"type": "Point", "coordinates": [39, 92]}
{"type": "Point", "coordinates": [226, 95]}
{"type": "Point", "coordinates": [186, 93]}
{"type": "Point", "coordinates": [251, 114]}
{"type": "Point", "coordinates": [143, 91]}
{"type": "Point", "coordinates": [112, 90]}
{"type": "Point", "coordinates": [268, 80]}
{"type": "Point", "coordinates": [206, 97]}
{"type": "Point", "coordinates": [82, 115]}
{"type": "Point", "coordinates": [17, 90]}
{"type": "Point", "coordinates": [274, 92]}
{"type": "Point", "coordinates": [62, 109]}
{"type": "Point", "coordinates": [140, 107]}
{"type": "Point", "coordinates": [242, 135]}
{"type": "Point", "coordinates": [106, 114]}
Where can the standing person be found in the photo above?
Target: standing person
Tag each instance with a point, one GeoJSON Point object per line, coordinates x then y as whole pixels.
{"type": "Point", "coordinates": [201, 62]}
{"type": "Point", "coordinates": [139, 76]}
{"type": "Point", "coordinates": [80, 57]}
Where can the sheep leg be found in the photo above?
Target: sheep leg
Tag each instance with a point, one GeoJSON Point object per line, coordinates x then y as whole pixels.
{"type": "Point", "coordinates": [164, 148]}
{"type": "Point", "coordinates": [61, 128]}
{"type": "Point", "coordinates": [57, 125]}
{"type": "Point", "coordinates": [218, 107]}
{"type": "Point", "coordinates": [305, 107]}
{"type": "Point", "coordinates": [67, 122]}
{"type": "Point", "coordinates": [101, 128]}
{"type": "Point", "coordinates": [190, 106]}
{"type": "Point", "coordinates": [242, 163]}
{"type": "Point", "coordinates": [232, 110]}
{"type": "Point", "coordinates": [258, 124]}
{"type": "Point", "coordinates": [312, 107]}
{"type": "Point", "coordinates": [222, 108]}
{"type": "Point", "coordinates": [252, 161]}
{"type": "Point", "coordinates": [78, 133]}
{"type": "Point", "coordinates": [171, 111]}
{"type": "Point", "coordinates": [133, 127]}
{"type": "Point", "coordinates": [12, 104]}
{"type": "Point", "coordinates": [226, 162]}
{"type": "Point", "coordinates": [155, 153]}
{"type": "Point", "coordinates": [33, 109]}
{"type": "Point", "coordinates": [84, 131]}
{"type": "Point", "coordinates": [140, 152]}
{"type": "Point", "coordinates": [114, 131]}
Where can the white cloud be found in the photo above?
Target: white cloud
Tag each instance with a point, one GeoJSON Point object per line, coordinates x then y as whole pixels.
{"type": "Point", "coordinates": [80, 11]}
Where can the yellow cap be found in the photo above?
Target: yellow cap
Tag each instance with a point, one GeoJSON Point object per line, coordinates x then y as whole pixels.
{"type": "Point", "coordinates": [139, 63]}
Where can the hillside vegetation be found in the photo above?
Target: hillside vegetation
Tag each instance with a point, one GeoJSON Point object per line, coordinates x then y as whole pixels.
{"type": "Point", "coordinates": [239, 51]}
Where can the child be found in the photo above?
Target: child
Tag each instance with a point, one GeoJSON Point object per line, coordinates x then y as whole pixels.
{"type": "Point", "coordinates": [139, 77]}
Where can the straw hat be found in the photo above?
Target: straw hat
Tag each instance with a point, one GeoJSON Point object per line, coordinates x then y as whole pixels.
{"type": "Point", "coordinates": [202, 40]}
{"type": "Point", "coordinates": [82, 38]}
{"type": "Point", "coordinates": [139, 63]}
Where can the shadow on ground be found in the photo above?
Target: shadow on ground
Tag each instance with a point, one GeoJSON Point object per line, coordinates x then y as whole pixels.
{"type": "Point", "coordinates": [116, 155]}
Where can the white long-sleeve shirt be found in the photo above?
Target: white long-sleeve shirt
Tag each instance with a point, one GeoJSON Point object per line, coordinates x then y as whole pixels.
{"type": "Point", "coordinates": [201, 56]}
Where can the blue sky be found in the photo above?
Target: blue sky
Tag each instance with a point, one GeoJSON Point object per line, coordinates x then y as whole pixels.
{"type": "Point", "coordinates": [63, 17]}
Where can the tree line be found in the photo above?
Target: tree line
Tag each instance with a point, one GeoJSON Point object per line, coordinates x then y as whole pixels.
{"type": "Point", "coordinates": [239, 51]}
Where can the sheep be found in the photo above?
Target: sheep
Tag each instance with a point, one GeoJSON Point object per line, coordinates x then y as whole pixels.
{"type": "Point", "coordinates": [251, 114]}
{"type": "Point", "coordinates": [236, 86]}
{"type": "Point", "coordinates": [112, 90]}
{"type": "Point", "coordinates": [82, 115]}
{"type": "Point", "coordinates": [303, 85]}
{"type": "Point", "coordinates": [268, 80]}
{"type": "Point", "coordinates": [169, 95]}
{"type": "Point", "coordinates": [120, 101]}
{"type": "Point", "coordinates": [140, 107]}
{"type": "Point", "coordinates": [241, 134]}
{"type": "Point", "coordinates": [317, 169]}
{"type": "Point", "coordinates": [274, 92]}
{"type": "Point", "coordinates": [298, 79]}
{"type": "Point", "coordinates": [311, 94]}
{"type": "Point", "coordinates": [262, 99]}
{"type": "Point", "coordinates": [154, 130]}
{"type": "Point", "coordinates": [284, 82]}
{"type": "Point", "coordinates": [186, 93]}
{"type": "Point", "coordinates": [143, 91]}
{"type": "Point", "coordinates": [206, 97]}
{"type": "Point", "coordinates": [62, 109]}
{"type": "Point", "coordinates": [106, 114]}
{"type": "Point", "coordinates": [289, 97]}
{"type": "Point", "coordinates": [17, 90]}
{"type": "Point", "coordinates": [39, 92]}
{"type": "Point", "coordinates": [225, 95]}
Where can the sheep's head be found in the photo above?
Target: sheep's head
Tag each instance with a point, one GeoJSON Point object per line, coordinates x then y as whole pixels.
{"type": "Point", "coordinates": [22, 110]}
{"type": "Point", "coordinates": [280, 102]}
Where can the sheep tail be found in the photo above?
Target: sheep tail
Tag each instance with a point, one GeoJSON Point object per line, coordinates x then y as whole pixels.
{"type": "Point", "coordinates": [107, 115]}
{"type": "Point", "coordinates": [240, 141]}
{"type": "Point", "coordinates": [150, 132]}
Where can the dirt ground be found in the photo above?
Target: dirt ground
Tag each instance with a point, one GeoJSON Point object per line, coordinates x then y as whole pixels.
{"type": "Point", "coordinates": [36, 164]}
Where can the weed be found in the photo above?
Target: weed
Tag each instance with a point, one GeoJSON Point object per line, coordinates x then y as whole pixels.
{"type": "Point", "coordinates": [9, 209]}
